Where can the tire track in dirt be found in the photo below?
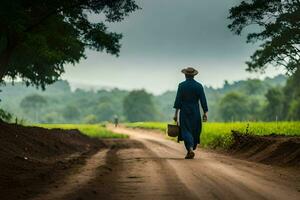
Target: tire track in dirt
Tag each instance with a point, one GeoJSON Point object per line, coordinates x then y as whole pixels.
{"type": "Point", "coordinates": [148, 166]}
{"type": "Point", "coordinates": [217, 176]}
{"type": "Point", "coordinates": [136, 173]}
{"type": "Point", "coordinates": [76, 180]}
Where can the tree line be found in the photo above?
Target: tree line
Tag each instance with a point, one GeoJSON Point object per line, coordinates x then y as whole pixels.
{"type": "Point", "coordinates": [243, 100]}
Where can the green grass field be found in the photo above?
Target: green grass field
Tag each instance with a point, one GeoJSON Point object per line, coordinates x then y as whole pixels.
{"type": "Point", "coordinates": [217, 134]}
{"type": "Point", "coordinates": [92, 130]}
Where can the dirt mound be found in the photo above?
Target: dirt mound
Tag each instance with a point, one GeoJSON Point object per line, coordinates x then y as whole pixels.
{"type": "Point", "coordinates": [31, 157]}
{"type": "Point", "coordinates": [271, 149]}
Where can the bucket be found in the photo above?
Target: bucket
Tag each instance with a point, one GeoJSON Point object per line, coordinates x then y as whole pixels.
{"type": "Point", "coordinates": [173, 130]}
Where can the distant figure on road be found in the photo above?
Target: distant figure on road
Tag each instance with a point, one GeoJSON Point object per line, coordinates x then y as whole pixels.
{"type": "Point", "coordinates": [189, 93]}
{"type": "Point", "coordinates": [116, 120]}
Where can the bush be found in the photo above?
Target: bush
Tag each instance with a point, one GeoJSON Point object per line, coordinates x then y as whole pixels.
{"type": "Point", "coordinates": [90, 119]}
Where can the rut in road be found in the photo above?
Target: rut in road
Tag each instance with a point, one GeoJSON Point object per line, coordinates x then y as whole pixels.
{"type": "Point", "coordinates": [217, 176]}
{"type": "Point", "coordinates": [127, 170]}
{"type": "Point", "coordinates": [148, 166]}
{"type": "Point", "coordinates": [76, 180]}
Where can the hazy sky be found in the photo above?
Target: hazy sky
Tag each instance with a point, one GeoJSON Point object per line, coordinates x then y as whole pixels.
{"type": "Point", "coordinates": [164, 37]}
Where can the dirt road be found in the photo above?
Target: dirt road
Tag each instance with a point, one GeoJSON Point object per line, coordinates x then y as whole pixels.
{"type": "Point", "coordinates": [147, 166]}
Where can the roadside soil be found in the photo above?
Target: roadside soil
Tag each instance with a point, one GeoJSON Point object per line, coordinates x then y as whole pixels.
{"type": "Point", "coordinates": [271, 149]}
{"type": "Point", "coordinates": [31, 158]}
{"type": "Point", "coordinates": [147, 166]}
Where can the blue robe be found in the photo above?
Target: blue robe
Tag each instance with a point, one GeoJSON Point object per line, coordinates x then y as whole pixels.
{"type": "Point", "coordinates": [189, 93]}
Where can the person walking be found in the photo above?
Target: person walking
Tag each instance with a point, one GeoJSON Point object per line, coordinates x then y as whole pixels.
{"type": "Point", "coordinates": [189, 93]}
{"type": "Point", "coordinates": [116, 120]}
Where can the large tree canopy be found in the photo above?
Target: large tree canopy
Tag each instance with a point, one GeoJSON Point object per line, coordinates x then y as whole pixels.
{"type": "Point", "coordinates": [38, 37]}
{"type": "Point", "coordinates": [234, 107]}
{"type": "Point", "coordinates": [278, 28]}
{"type": "Point", "coordinates": [274, 108]}
{"type": "Point", "coordinates": [139, 106]}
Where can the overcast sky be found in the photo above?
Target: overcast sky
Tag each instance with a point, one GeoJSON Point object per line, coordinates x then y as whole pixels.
{"type": "Point", "coordinates": [164, 37]}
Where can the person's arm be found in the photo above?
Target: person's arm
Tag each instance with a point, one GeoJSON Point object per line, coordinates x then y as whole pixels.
{"type": "Point", "coordinates": [176, 115]}
{"type": "Point", "coordinates": [204, 104]}
{"type": "Point", "coordinates": [177, 103]}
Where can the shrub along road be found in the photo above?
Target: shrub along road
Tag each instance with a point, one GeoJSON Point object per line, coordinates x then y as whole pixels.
{"type": "Point", "coordinates": [148, 166]}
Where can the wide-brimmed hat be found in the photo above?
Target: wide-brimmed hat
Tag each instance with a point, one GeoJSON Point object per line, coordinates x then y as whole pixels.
{"type": "Point", "coordinates": [189, 71]}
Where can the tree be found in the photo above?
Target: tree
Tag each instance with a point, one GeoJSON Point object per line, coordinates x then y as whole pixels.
{"type": "Point", "coordinates": [291, 92]}
{"type": "Point", "coordinates": [104, 111]}
{"type": "Point", "coordinates": [254, 87]}
{"type": "Point", "coordinates": [254, 108]}
{"type": "Point", "coordinates": [90, 119]}
{"type": "Point", "coordinates": [274, 107]}
{"type": "Point", "coordinates": [37, 38]}
{"type": "Point", "coordinates": [278, 24]}
{"type": "Point", "coordinates": [294, 110]}
{"type": "Point", "coordinates": [51, 117]}
{"type": "Point", "coordinates": [226, 85]}
{"type": "Point", "coordinates": [138, 106]}
{"type": "Point", "coordinates": [33, 104]}
{"type": "Point", "coordinates": [71, 113]}
{"type": "Point", "coordinates": [234, 107]}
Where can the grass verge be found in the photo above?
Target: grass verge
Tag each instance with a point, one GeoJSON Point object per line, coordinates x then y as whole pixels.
{"type": "Point", "coordinates": [218, 134]}
{"type": "Point", "coordinates": [92, 130]}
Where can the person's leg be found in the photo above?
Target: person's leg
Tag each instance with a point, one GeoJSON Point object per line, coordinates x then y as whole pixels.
{"type": "Point", "coordinates": [188, 140]}
{"type": "Point", "coordinates": [189, 144]}
{"type": "Point", "coordinates": [195, 147]}
{"type": "Point", "coordinates": [197, 134]}
{"type": "Point", "coordinates": [190, 153]}
{"type": "Point", "coordinates": [186, 135]}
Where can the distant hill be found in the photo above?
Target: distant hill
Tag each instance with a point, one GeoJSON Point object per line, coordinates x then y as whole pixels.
{"type": "Point", "coordinates": [19, 89]}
